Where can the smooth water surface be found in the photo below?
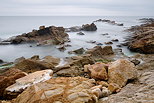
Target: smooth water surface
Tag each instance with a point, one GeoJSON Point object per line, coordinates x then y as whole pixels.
{"type": "Point", "coordinates": [12, 26]}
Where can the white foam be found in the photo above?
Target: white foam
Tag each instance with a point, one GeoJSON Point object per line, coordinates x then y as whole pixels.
{"type": "Point", "coordinates": [61, 63]}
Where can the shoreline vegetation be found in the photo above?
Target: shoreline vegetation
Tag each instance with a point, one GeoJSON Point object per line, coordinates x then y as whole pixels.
{"type": "Point", "coordinates": [97, 75]}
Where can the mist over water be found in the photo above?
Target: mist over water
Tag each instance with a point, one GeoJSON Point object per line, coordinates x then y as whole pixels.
{"type": "Point", "coordinates": [12, 26]}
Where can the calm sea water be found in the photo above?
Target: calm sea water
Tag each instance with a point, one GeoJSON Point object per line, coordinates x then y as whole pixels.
{"type": "Point", "coordinates": [12, 26]}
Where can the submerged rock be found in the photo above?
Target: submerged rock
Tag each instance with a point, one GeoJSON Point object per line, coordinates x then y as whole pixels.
{"type": "Point", "coordinates": [8, 78]}
{"type": "Point", "coordinates": [91, 41]}
{"type": "Point", "coordinates": [89, 27]}
{"type": "Point", "coordinates": [80, 33]}
{"type": "Point", "coordinates": [60, 90]}
{"type": "Point", "coordinates": [22, 83]}
{"type": "Point", "coordinates": [73, 29]}
{"type": "Point", "coordinates": [61, 48]}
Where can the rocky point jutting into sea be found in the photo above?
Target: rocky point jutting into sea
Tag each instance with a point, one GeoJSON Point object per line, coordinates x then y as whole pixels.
{"type": "Point", "coordinates": [97, 75]}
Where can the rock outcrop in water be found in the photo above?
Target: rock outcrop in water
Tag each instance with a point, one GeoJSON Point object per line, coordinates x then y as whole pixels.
{"type": "Point", "coordinates": [45, 35]}
{"type": "Point", "coordinates": [142, 39]}
{"type": "Point", "coordinates": [89, 27]}
{"type": "Point", "coordinates": [85, 27]}
{"type": "Point", "coordinates": [109, 21]}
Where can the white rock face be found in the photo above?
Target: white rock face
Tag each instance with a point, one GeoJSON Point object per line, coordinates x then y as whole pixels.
{"type": "Point", "coordinates": [29, 80]}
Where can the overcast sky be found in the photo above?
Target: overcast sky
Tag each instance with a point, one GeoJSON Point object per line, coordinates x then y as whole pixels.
{"type": "Point", "coordinates": [76, 7]}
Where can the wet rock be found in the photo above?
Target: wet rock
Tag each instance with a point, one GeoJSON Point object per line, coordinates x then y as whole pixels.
{"type": "Point", "coordinates": [97, 71]}
{"type": "Point", "coordinates": [43, 36]}
{"type": "Point", "coordinates": [105, 34]}
{"type": "Point", "coordinates": [109, 21]}
{"type": "Point", "coordinates": [4, 43]}
{"type": "Point", "coordinates": [8, 78]}
{"type": "Point", "coordinates": [78, 51]}
{"type": "Point", "coordinates": [22, 83]}
{"type": "Point", "coordinates": [18, 60]}
{"type": "Point", "coordinates": [1, 61]}
{"type": "Point", "coordinates": [91, 41]}
{"type": "Point", "coordinates": [89, 27]}
{"type": "Point", "coordinates": [120, 24]}
{"type": "Point", "coordinates": [80, 33]}
{"type": "Point", "coordinates": [108, 43]}
{"type": "Point", "coordinates": [98, 51]}
{"type": "Point", "coordinates": [61, 48]}
{"type": "Point", "coordinates": [120, 71]}
{"type": "Point", "coordinates": [119, 45]}
{"type": "Point", "coordinates": [73, 29]}
{"type": "Point", "coordinates": [67, 45]}
{"type": "Point", "coordinates": [41, 27]}
{"type": "Point", "coordinates": [99, 44]}
{"type": "Point", "coordinates": [115, 40]}
{"type": "Point", "coordinates": [35, 57]}
{"type": "Point", "coordinates": [60, 90]}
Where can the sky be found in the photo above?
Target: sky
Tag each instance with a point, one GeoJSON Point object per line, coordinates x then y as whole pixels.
{"type": "Point", "coordinates": [76, 7]}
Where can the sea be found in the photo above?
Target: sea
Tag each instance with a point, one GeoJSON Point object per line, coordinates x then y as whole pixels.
{"type": "Point", "coordinates": [16, 25]}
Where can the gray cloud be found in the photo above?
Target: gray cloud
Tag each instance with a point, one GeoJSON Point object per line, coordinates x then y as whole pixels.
{"type": "Point", "coordinates": [77, 7]}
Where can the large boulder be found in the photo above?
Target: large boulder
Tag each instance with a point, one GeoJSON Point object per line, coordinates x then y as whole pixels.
{"type": "Point", "coordinates": [98, 51]}
{"type": "Point", "coordinates": [8, 78]}
{"type": "Point", "coordinates": [22, 83]}
{"type": "Point", "coordinates": [121, 71]}
{"type": "Point", "coordinates": [89, 27]}
{"type": "Point", "coordinates": [97, 71]}
{"type": "Point", "coordinates": [45, 35]}
{"type": "Point", "coordinates": [60, 90]}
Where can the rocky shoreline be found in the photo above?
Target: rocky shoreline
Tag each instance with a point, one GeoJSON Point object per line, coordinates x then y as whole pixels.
{"type": "Point", "coordinates": [142, 39]}
{"type": "Point", "coordinates": [97, 75]}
